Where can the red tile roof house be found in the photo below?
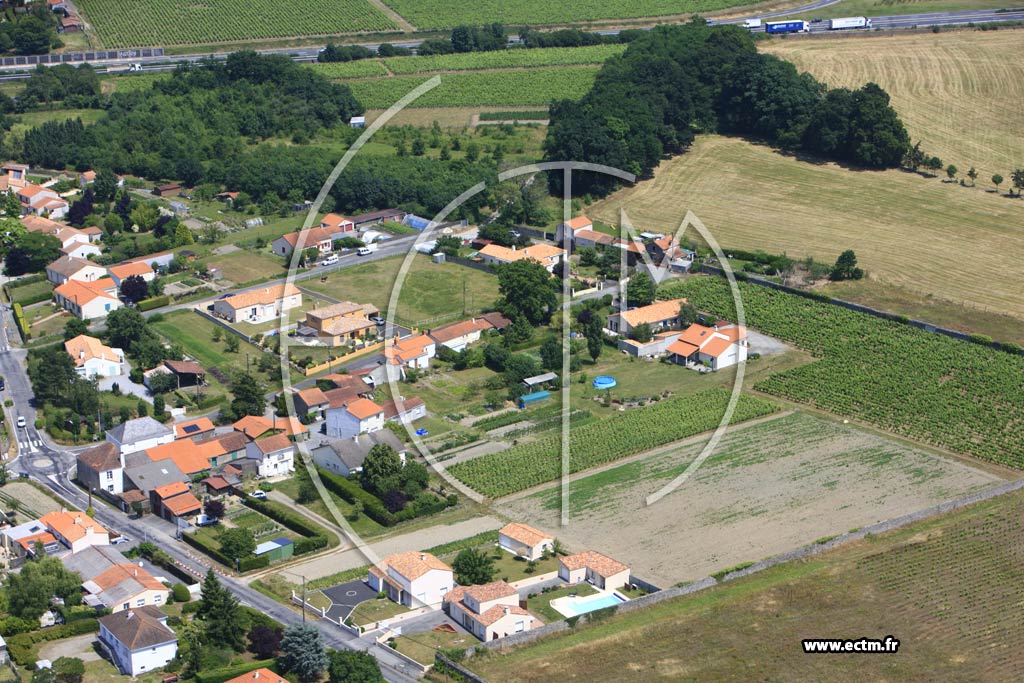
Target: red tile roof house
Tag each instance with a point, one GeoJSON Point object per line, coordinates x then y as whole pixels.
{"type": "Point", "coordinates": [274, 455]}
{"type": "Point", "coordinates": [661, 315]}
{"type": "Point", "coordinates": [332, 227]}
{"type": "Point", "coordinates": [458, 336]}
{"type": "Point", "coordinates": [311, 402]}
{"type": "Point", "coordinates": [88, 300]}
{"type": "Point", "coordinates": [414, 579]}
{"type": "Point", "coordinates": [175, 501]}
{"type": "Point", "coordinates": [525, 541]}
{"type": "Point", "coordinates": [359, 416]}
{"type": "Point", "coordinates": [258, 305]}
{"type": "Point", "coordinates": [572, 226]}
{"type": "Point", "coordinates": [593, 567]}
{"type": "Point", "coordinates": [717, 347]}
{"type": "Point", "coordinates": [411, 352]}
{"type": "Point", "coordinates": [489, 611]}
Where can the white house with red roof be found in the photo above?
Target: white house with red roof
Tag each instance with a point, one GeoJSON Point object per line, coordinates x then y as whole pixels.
{"type": "Point", "coordinates": [721, 346]}
{"type": "Point", "coordinates": [337, 224]}
{"type": "Point", "coordinates": [547, 255]}
{"type": "Point", "coordinates": [414, 579]}
{"type": "Point", "coordinates": [573, 226]}
{"type": "Point", "coordinates": [39, 200]}
{"type": "Point", "coordinates": [661, 315]}
{"type": "Point", "coordinates": [414, 351]}
{"type": "Point", "coordinates": [489, 611]}
{"type": "Point", "coordinates": [93, 358]}
{"type": "Point", "coordinates": [524, 540]}
{"type": "Point", "coordinates": [274, 455]}
{"type": "Point", "coordinates": [123, 271]}
{"type": "Point", "coordinates": [595, 568]}
{"type": "Point", "coordinates": [358, 416]}
{"type": "Point", "coordinates": [88, 300]}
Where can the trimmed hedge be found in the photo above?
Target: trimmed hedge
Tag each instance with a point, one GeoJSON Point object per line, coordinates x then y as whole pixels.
{"type": "Point", "coordinates": [155, 302]}
{"type": "Point", "coordinates": [22, 647]}
{"type": "Point", "coordinates": [19, 320]}
{"type": "Point", "coordinates": [352, 492]}
{"type": "Point", "coordinates": [25, 281]}
{"type": "Point", "coordinates": [245, 564]}
{"type": "Point", "coordinates": [315, 536]}
{"type": "Point", "coordinates": [229, 672]}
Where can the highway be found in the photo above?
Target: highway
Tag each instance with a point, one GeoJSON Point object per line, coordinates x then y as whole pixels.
{"type": "Point", "coordinates": [15, 72]}
{"type": "Point", "coordinates": [51, 465]}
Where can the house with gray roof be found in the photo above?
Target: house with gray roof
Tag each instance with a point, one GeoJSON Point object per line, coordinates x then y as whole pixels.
{"type": "Point", "coordinates": [345, 456]}
{"type": "Point", "coordinates": [139, 434]}
{"type": "Point", "coordinates": [144, 475]}
{"type": "Point", "coordinates": [138, 640]}
{"type": "Point", "coordinates": [93, 561]}
{"type": "Point", "coordinates": [100, 468]}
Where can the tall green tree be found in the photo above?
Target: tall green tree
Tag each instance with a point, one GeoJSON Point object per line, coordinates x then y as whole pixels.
{"type": "Point", "coordinates": [237, 543]}
{"type": "Point", "coordinates": [551, 353]}
{"type": "Point", "coordinates": [248, 396]}
{"type": "Point", "coordinates": [226, 623]}
{"type": "Point", "coordinates": [381, 470]}
{"type": "Point", "coordinates": [846, 268]}
{"type": "Point", "coordinates": [302, 652]}
{"type": "Point", "coordinates": [351, 666]}
{"type": "Point", "coordinates": [74, 327]}
{"type": "Point", "coordinates": [997, 180]}
{"type": "Point", "coordinates": [473, 567]}
{"type": "Point", "coordinates": [595, 336]}
{"type": "Point", "coordinates": [528, 290]}
{"type": "Point", "coordinates": [31, 253]}
{"type": "Point", "coordinates": [30, 591]}
{"type": "Point", "coordinates": [640, 290]}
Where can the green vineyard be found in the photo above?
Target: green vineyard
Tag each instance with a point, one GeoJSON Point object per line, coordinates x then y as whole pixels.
{"type": "Point", "coordinates": [486, 88]}
{"type": "Point", "coordinates": [949, 393]}
{"type": "Point", "coordinates": [190, 22]}
{"type": "Point", "coordinates": [598, 443]}
{"type": "Point", "coordinates": [427, 14]}
{"type": "Point", "coordinates": [504, 59]}
{"type": "Point", "coordinates": [363, 68]}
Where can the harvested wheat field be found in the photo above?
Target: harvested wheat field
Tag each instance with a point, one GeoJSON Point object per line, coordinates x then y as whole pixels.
{"type": "Point", "coordinates": [960, 243]}
{"type": "Point", "coordinates": [955, 91]}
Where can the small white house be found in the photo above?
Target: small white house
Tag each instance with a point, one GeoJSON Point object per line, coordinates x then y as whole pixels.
{"type": "Point", "coordinates": [717, 347]}
{"type": "Point", "coordinates": [93, 358]}
{"type": "Point", "coordinates": [411, 352]}
{"type": "Point", "coordinates": [70, 267]}
{"type": "Point", "coordinates": [489, 611]}
{"type": "Point", "coordinates": [275, 455]}
{"type": "Point", "coordinates": [360, 416]}
{"type": "Point", "coordinates": [594, 568]}
{"type": "Point", "coordinates": [76, 530]}
{"type": "Point", "coordinates": [525, 541]}
{"type": "Point", "coordinates": [139, 640]}
{"type": "Point", "coordinates": [412, 578]}
{"type": "Point", "coordinates": [258, 305]}
{"type": "Point", "coordinates": [88, 300]}
{"type": "Point", "coordinates": [140, 434]}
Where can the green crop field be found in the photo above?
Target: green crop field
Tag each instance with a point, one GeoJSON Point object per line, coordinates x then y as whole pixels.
{"type": "Point", "coordinates": [484, 88]}
{"type": "Point", "coordinates": [363, 68]}
{"type": "Point", "coordinates": [947, 588]}
{"type": "Point", "coordinates": [426, 14]}
{"type": "Point", "coordinates": [597, 443]}
{"type": "Point", "coordinates": [189, 22]}
{"type": "Point", "coordinates": [503, 59]}
{"type": "Point", "coordinates": [953, 394]}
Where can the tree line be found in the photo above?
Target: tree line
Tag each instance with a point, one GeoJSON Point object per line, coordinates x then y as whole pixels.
{"type": "Point", "coordinates": [677, 81]}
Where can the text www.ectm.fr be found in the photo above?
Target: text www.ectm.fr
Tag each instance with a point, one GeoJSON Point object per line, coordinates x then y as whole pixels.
{"type": "Point", "coordinates": [826, 645]}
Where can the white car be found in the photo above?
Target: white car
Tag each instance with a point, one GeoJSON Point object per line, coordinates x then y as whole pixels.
{"type": "Point", "coordinates": [330, 260]}
{"type": "Point", "coordinates": [120, 539]}
{"type": "Point", "coordinates": [21, 421]}
{"type": "Point", "coordinates": [259, 494]}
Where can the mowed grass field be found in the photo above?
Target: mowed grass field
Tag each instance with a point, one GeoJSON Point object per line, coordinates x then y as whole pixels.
{"type": "Point", "coordinates": [947, 588]}
{"type": "Point", "coordinates": [952, 90]}
{"type": "Point", "coordinates": [181, 22]}
{"type": "Point", "coordinates": [431, 293]}
{"type": "Point", "coordinates": [930, 237]}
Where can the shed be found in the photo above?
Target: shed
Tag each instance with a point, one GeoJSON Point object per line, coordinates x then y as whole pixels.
{"type": "Point", "coordinates": [188, 373]}
{"type": "Point", "coordinates": [357, 122]}
{"type": "Point", "coordinates": [535, 397]}
{"type": "Point", "coordinates": [164, 190]}
{"type": "Point", "coordinates": [277, 549]}
{"type": "Point", "coordinates": [540, 379]}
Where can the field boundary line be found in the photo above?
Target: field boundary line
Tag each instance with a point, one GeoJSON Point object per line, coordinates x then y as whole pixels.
{"type": "Point", "coordinates": [688, 441]}
{"type": "Point", "coordinates": [799, 553]}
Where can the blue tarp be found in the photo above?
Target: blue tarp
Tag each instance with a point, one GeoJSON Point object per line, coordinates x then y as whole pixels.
{"type": "Point", "coordinates": [535, 397]}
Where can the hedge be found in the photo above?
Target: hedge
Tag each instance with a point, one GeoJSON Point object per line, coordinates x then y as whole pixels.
{"type": "Point", "coordinates": [155, 302]}
{"type": "Point", "coordinates": [309, 544]}
{"type": "Point", "coordinates": [25, 281]}
{"type": "Point", "coordinates": [229, 672]}
{"type": "Point", "coordinates": [285, 517]}
{"type": "Point", "coordinates": [352, 492]}
{"type": "Point", "coordinates": [245, 564]}
{"type": "Point", "coordinates": [22, 647]}
{"type": "Point", "coordinates": [45, 295]}
{"type": "Point", "coordinates": [19, 320]}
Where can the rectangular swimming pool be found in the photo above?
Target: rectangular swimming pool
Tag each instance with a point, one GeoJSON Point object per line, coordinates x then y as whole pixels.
{"type": "Point", "coordinates": [572, 607]}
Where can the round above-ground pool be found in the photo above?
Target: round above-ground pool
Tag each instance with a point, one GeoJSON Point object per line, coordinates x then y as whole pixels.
{"type": "Point", "coordinates": [604, 382]}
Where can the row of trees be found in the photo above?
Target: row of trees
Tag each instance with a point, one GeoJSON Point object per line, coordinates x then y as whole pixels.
{"type": "Point", "coordinates": [676, 81]}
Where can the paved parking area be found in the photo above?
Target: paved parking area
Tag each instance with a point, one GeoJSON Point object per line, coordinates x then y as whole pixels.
{"type": "Point", "coordinates": [346, 597]}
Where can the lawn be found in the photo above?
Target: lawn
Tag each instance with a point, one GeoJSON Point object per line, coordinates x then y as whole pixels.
{"type": "Point", "coordinates": [245, 266]}
{"type": "Point", "coordinates": [432, 293]}
{"type": "Point", "coordinates": [905, 229]}
{"type": "Point", "coordinates": [31, 119]}
{"type": "Point", "coordinates": [29, 294]}
{"type": "Point", "coordinates": [375, 610]}
{"type": "Point", "coordinates": [44, 323]}
{"type": "Point", "coordinates": [422, 646]}
{"type": "Point", "coordinates": [364, 526]}
{"type": "Point", "coordinates": [946, 588]}
{"type": "Point", "coordinates": [541, 603]}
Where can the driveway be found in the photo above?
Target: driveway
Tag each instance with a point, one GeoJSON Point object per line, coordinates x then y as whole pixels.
{"type": "Point", "coordinates": [346, 596]}
{"type": "Point", "coordinates": [126, 385]}
{"type": "Point", "coordinates": [79, 647]}
{"type": "Point", "coordinates": [765, 345]}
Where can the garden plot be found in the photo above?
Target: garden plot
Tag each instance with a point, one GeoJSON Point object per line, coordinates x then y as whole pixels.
{"type": "Point", "coordinates": [768, 488]}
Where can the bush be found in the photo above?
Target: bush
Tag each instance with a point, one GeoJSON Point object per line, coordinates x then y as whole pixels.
{"type": "Point", "coordinates": [180, 593]}
{"type": "Point", "coordinates": [245, 564]}
{"type": "Point", "coordinates": [352, 492]}
{"type": "Point", "coordinates": [229, 672]}
{"type": "Point", "coordinates": [19, 320]}
{"type": "Point", "coordinates": [154, 302]}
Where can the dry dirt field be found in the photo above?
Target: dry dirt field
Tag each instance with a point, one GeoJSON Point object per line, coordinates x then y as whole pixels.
{"type": "Point", "coordinates": [769, 488]}
{"type": "Point", "coordinates": [952, 90]}
{"type": "Point", "coordinates": [959, 243]}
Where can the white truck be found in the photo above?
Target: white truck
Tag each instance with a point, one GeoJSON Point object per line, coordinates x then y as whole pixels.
{"type": "Point", "coordinates": [367, 250]}
{"type": "Point", "coordinates": [751, 23]}
{"type": "Point", "coordinates": [849, 22]}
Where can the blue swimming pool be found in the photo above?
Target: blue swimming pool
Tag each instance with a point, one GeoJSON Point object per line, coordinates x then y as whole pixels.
{"type": "Point", "coordinates": [604, 382]}
{"type": "Point", "coordinates": [572, 607]}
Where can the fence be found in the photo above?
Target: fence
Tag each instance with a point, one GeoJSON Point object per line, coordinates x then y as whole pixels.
{"type": "Point", "coordinates": [796, 554]}
{"type": "Point", "coordinates": [895, 317]}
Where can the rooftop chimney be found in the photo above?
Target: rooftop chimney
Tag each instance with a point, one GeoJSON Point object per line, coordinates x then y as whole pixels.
{"type": "Point", "coordinates": [507, 609]}
{"type": "Point", "coordinates": [423, 556]}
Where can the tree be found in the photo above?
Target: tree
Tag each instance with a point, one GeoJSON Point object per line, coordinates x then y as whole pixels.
{"type": "Point", "coordinates": [846, 268]}
{"type": "Point", "coordinates": [30, 591]}
{"type": "Point", "coordinates": [351, 666]}
{"type": "Point", "coordinates": [528, 290]}
{"type": "Point", "coordinates": [214, 508]}
{"type": "Point", "coordinates": [972, 173]}
{"type": "Point", "coordinates": [12, 205]}
{"type": "Point", "coordinates": [473, 567]}
{"type": "Point", "coordinates": [82, 208]}
{"type": "Point", "coordinates": [595, 335]}
{"type": "Point", "coordinates": [126, 328]}
{"type": "Point", "coordinates": [519, 366]}
{"type": "Point", "coordinates": [247, 395]}
{"type": "Point", "coordinates": [687, 314]}
{"type": "Point", "coordinates": [159, 405]}
{"type": "Point", "coordinates": [237, 543]}
{"type": "Point", "coordinates": [44, 675]}
{"type": "Point", "coordinates": [113, 224]}
{"type": "Point", "coordinates": [381, 470]}
{"type": "Point", "coordinates": [182, 235]}
{"type": "Point", "coordinates": [302, 652]}
{"type": "Point", "coordinates": [225, 623]}
{"type": "Point", "coordinates": [520, 331]}
{"type": "Point", "coordinates": [105, 185]}
{"type": "Point", "coordinates": [551, 353]}
{"type": "Point", "coordinates": [640, 290]}
{"type": "Point", "coordinates": [142, 408]}
{"type": "Point", "coordinates": [134, 288]}
{"type": "Point", "coordinates": [1018, 180]}
{"type": "Point", "coordinates": [951, 171]}
{"type": "Point", "coordinates": [447, 244]}
{"type": "Point", "coordinates": [265, 641]}
{"type": "Point", "coordinates": [997, 180]}
{"type": "Point", "coordinates": [31, 253]}
{"type": "Point", "coordinates": [231, 344]}
{"type": "Point", "coordinates": [642, 333]}
{"type": "Point", "coordinates": [74, 327]}
{"type": "Point", "coordinates": [144, 217]}
{"type": "Point", "coordinates": [69, 670]}
{"type": "Point", "coordinates": [934, 164]}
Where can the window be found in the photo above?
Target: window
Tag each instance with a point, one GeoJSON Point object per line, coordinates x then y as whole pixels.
{"type": "Point", "coordinates": [157, 599]}
{"type": "Point", "coordinates": [140, 602]}
{"type": "Point", "coordinates": [126, 605]}
{"type": "Point", "coordinates": [110, 474]}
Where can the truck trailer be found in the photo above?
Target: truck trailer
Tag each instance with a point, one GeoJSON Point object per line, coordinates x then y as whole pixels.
{"type": "Point", "coordinates": [786, 27]}
{"type": "Point", "coordinates": [751, 23]}
{"type": "Point", "coordinates": [849, 22]}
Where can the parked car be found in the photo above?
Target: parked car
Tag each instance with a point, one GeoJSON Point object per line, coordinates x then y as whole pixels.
{"type": "Point", "coordinates": [120, 539]}
{"type": "Point", "coordinates": [259, 494]}
{"type": "Point", "coordinates": [21, 421]}
{"type": "Point", "coordinates": [206, 520]}
{"type": "Point", "coordinates": [330, 260]}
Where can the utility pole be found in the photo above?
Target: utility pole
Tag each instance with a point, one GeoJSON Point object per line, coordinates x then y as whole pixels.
{"type": "Point", "coordinates": [303, 600]}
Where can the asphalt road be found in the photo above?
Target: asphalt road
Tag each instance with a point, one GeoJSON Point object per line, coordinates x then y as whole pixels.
{"type": "Point", "coordinates": [51, 465]}
{"type": "Point", "coordinates": [309, 54]}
